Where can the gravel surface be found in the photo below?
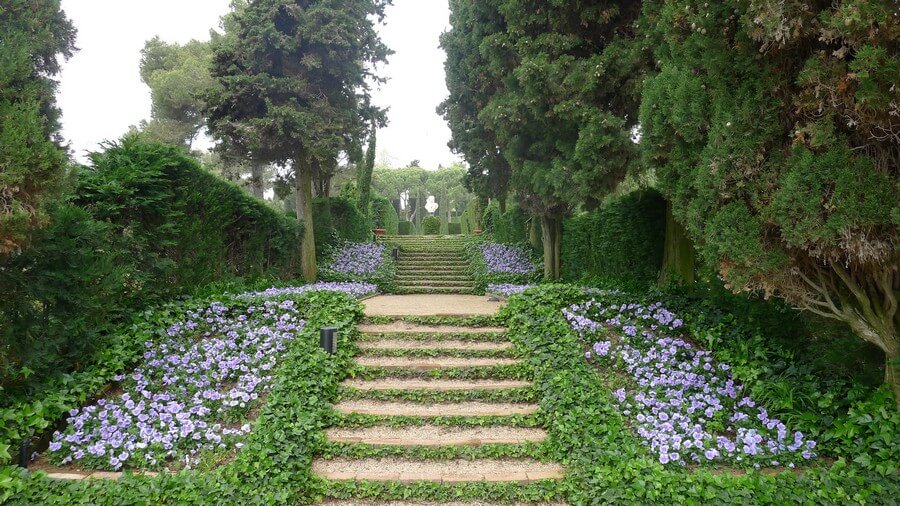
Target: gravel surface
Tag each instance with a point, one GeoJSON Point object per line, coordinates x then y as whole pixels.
{"type": "Point", "coordinates": [435, 435]}
{"type": "Point", "coordinates": [439, 467]}
{"type": "Point", "coordinates": [427, 304]}
{"type": "Point", "coordinates": [393, 344]}
{"type": "Point", "coordinates": [443, 385]}
{"type": "Point", "coordinates": [384, 408]}
{"type": "Point", "coordinates": [433, 362]}
{"type": "Point", "coordinates": [401, 326]}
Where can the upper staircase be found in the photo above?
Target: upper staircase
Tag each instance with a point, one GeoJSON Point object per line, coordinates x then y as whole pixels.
{"type": "Point", "coordinates": [431, 264]}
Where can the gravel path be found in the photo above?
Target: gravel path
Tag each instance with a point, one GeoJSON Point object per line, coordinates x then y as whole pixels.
{"type": "Point", "coordinates": [428, 304]}
{"type": "Point", "coordinates": [390, 469]}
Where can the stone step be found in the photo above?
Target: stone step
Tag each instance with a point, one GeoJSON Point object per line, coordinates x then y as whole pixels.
{"type": "Point", "coordinates": [441, 273]}
{"type": "Point", "coordinates": [409, 470]}
{"type": "Point", "coordinates": [428, 283]}
{"type": "Point", "coordinates": [451, 290]}
{"type": "Point", "coordinates": [381, 385]}
{"type": "Point", "coordinates": [431, 363]}
{"type": "Point", "coordinates": [400, 327]}
{"type": "Point", "coordinates": [445, 344]}
{"type": "Point", "coordinates": [390, 408]}
{"type": "Point", "coordinates": [434, 435]}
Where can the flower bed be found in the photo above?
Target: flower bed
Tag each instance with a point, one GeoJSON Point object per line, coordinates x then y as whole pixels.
{"type": "Point", "coordinates": [352, 288]}
{"type": "Point", "coordinates": [687, 408]}
{"type": "Point", "coordinates": [198, 382]}
{"type": "Point", "coordinates": [508, 289]}
{"type": "Point", "coordinates": [500, 265]}
{"type": "Point", "coordinates": [361, 262]}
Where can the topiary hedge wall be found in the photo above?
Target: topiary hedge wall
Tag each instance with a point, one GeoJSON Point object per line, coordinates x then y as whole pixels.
{"type": "Point", "coordinates": [510, 227]}
{"type": "Point", "coordinates": [143, 223]}
{"type": "Point", "coordinates": [345, 223]}
{"type": "Point", "coordinates": [384, 215]}
{"type": "Point", "coordinates": [431, 225]}
{"type": "Point", "coordinates": [621, 242]}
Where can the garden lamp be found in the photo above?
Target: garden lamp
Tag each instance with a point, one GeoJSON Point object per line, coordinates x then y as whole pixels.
{"type": "Point", "coordinates": [328, 339]}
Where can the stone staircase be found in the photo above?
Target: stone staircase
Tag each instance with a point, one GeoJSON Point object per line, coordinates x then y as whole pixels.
{"type": "Point", "coordinates": [431, 265]}
{"type": "Point", "coordinates": [461, 394]}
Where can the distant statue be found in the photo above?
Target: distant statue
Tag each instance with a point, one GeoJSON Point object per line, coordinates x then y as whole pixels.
{"type": "Point", "coordinates": [431, 206]}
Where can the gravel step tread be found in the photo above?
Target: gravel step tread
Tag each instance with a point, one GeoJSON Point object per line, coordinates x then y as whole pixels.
{"type": "Point", "coordinates": [389, 408]}
{"type": "Point", "coordinates": [401, 327]}
{"type": "Point", "coordinates": [435, 435]}
{"type": "Point", "coordinates": [446, 471]}
{"type": "Point", "coordinates": [432, 362]}
{"type": "Point", "coordinates": [441, 344]}
{"type": "Point", "coordinates": [434, 385]}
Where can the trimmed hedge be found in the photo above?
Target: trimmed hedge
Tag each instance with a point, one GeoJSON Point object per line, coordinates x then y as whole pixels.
{"type": "Point", "coordinates": [384, 215]}
{"type": "Point", "coordinates": [405, 228]}
{"type": "Point", "coordinates": [347, 224]}
{"type": "Point", "coordinates": [454, 229]}
{"type": "Point", "coordinates": [620, 243]}
{"type": "Point", "coordinates": [142, 224]}
{"type": "Point", "coordinates": [510, 227]}
{"type": "Point", "coordinates": [431, 225]}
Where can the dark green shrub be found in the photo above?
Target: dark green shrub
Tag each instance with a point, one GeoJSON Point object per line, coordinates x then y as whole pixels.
{"type": "Point", "coordinates": [621, 242]}
{"type": "Point", "coordinates": [145, 223]}
{"type": "Point", "coordinates": [510, 227]}
{"type": "Point", "coordinates": [405, 228]}
{"type": "Point", "coordinates": [343, 223]}
{"type": "Point", "coordinates": [454, 229]}
{"type": "Point", "coordinates": [431, 225]}
{"type": "Point", "coordinates": [384, 215]}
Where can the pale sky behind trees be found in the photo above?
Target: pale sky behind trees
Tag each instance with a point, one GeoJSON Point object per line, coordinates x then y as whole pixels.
{"type": "Point", "coordinates": [101, 93]}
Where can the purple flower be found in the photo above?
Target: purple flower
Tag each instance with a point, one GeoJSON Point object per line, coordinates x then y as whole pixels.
{"type": "Point", "coordinates": [503, 258]}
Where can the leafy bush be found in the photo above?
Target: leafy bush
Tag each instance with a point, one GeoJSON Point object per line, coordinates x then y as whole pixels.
{"type": "Point", "coordinates": [144, 223]}
{"type": "Point", "coordinates": [431, 225]}
{"type": "Point", "coordinates": [620, 243]}
{"type": "Point", "coordinates": [454, 229]}
{"type": "Point", "coordinates": [405, 228]}
{"type": "Point", "coordinates": [384, 215]}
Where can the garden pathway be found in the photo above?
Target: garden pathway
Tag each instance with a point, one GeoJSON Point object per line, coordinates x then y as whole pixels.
{"type": "Point", "coordinates": [433, 406]}
{"type": "Point", "coordinates": [431, 264]}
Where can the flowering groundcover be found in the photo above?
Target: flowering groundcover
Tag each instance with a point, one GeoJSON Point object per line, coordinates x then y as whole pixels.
{"type": "Point", "coordinates": [687, 408]}
{"type": "Point", "coordinates": [500, 265]}
{"type": "Point", "coordinates": [360, 262]}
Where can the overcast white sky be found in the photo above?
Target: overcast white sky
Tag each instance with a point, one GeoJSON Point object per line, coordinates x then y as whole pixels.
{"type": "Point", "coordinates": [101, 92]}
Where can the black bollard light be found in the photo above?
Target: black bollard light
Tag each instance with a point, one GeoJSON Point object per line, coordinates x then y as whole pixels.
{"type": "Point", "coordinates": [395, 253]}
{"type": "Point", "coordinates": [328, 339]}
{"type": "Point", "coordinates": [25, 453]}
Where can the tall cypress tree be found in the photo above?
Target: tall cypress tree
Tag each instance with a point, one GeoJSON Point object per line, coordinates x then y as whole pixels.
{"type": "Point", "coordinates": [558, 89]}
{"type": "Point", "coordinates": [365, 174]}
{"type": "Point", "coordinates": [295, 87]}
{"type": "Point", "coordinates": [33, 35]}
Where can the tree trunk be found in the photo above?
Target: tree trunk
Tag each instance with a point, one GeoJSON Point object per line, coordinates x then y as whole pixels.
{"type": "Point", "coordinates": [305, 216]}
{"type": "Point", "coordinates": [551, 229]}
{"type": "Point", "coordinates": [257, 188]}
{"type": "Point", "coordinates": [678, 254]}
{"type": "Point", "coordinates": [534, 233]}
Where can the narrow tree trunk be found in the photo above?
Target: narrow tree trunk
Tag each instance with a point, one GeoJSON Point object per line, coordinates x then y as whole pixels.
{"type": "Point", "coordinates": [257, 171]}
{"type": "Point", "coordinates": [534, 233]}
{"type": "Point", "coordinates": [551, 231]}
{"type": "Point", "coordinates": [678, 254]}
{"type": "Point", "coordinates": [305, 216]}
